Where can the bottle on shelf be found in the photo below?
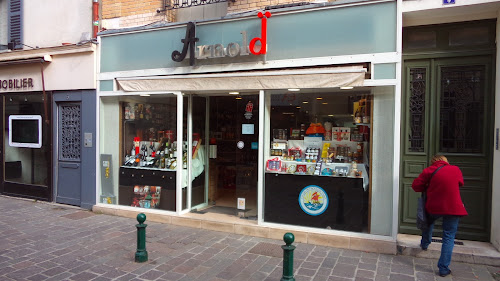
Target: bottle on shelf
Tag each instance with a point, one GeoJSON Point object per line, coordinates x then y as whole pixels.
{"type": "Point", "coordinates": [357, 116]}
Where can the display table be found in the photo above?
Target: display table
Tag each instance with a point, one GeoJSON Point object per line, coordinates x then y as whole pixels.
{"type": "Point", "coordinates": [347, 202]}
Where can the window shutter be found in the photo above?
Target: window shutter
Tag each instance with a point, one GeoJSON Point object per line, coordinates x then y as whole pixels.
{"type": "Point", "coordinates": [16, 23]}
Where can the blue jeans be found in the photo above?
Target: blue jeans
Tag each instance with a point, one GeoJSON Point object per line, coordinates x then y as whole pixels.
{"type": "Point", "coordinates": [450, 225]}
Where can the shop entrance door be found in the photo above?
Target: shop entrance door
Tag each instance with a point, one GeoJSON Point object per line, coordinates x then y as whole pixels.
{"type": "Point", "coordinates": [232, 153]}
{"type": "Point", "coordinates": [447, 109]}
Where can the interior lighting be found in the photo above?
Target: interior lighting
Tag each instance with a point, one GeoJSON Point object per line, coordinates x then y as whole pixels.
{"type": "Point", "coordinates": [330, 115]}
{"type": "Point", "coordinates": [293, 90]}
{"type": "Point", "coordinates": [319, 98]}
{"type": "Point", "coordinates": [346, 88]}
{"type": "Point", "coordinates": [305, 102]}
{"type": "Point", "coordinates": [238, 98]}
{"type": "Point", "coordinates": [234, 93]}
{"type": "Point", "coordinates": [298, 107]}
{"type": "Point", "coordinates": [324, 103]}
{"type": "Point", "coordinates": [145, 95]}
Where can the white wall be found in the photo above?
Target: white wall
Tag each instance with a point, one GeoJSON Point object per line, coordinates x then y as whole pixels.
{"type": "Point", "coordinates": [424, 12]}
{"type": "Point", "coordinates": [3, 22]}
{"type": "Point", "coordinates": [65, 72]}
{"type": "Point", "coordinates": [50, 23]}
{"type": "Point", "coordinates": [495, 196]}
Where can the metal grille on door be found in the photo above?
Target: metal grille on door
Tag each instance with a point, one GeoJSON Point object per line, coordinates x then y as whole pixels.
{"type": "Point", "coordinates": [70, 138]}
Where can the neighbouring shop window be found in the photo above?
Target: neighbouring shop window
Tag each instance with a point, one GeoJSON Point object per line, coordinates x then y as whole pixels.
{"type": "Point", "coordinates": [26, 140]}
{"type": "Point", "coordinates": [318, 162]}
{"type": "Point", "coordinates": [139, 149]}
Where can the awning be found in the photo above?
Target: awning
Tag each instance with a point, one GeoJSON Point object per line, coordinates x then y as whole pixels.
{"type": "Point", "coordinates": [251, 80]}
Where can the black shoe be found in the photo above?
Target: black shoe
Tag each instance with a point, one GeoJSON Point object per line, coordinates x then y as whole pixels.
{"type": "Point", "coordinates": [445, 274]}
{"type": "Point", "coordinates": [425, 249]}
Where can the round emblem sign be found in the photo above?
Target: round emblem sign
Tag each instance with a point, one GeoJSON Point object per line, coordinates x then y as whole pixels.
{"type": "Point", "coordinates": [240, 145]}
{"type": "Point", "coordinates": [313, 200]}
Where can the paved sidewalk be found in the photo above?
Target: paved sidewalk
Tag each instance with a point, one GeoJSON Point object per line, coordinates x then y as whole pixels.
{"type": "Point", "coordinates": [42, 241]}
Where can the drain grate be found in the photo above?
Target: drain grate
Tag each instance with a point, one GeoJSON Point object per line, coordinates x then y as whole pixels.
{"type": "Point", "coordinates": [441, 241]}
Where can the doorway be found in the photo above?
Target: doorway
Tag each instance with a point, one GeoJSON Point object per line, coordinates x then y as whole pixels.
{"type": "Point", "coordinates": [231, 125]}
{"type": "Point", "coordinates": [447, 109]}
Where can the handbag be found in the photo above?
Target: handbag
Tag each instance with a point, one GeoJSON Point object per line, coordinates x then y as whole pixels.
{"type": "Point", "coordinates": [422, 216]}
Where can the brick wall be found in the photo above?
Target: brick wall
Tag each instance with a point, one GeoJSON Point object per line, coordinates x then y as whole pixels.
{"type": "Point", "coordinates": [127, 13]}
{"type": "Point", "coordinates": [248, 5]}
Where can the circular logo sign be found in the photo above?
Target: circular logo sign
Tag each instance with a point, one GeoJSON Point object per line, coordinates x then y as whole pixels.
{"type": "Point", "coordinates": [240, 145]}
{"type": "Point", "coordinates": [313, 200]}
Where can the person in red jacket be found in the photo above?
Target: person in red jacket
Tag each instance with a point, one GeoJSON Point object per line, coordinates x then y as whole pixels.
{"type": "Point", "coordinates": [443, 201]}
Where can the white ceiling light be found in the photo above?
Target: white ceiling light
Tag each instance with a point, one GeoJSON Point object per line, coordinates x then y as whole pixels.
{"type": "Point", "coordinates": [293, 90]}
{"type": "Point", "coordinates": [346, 88]}
{"type": "Point", "coordinates": [144, 95]}
{"type": "Point", "coordinates": [234, 93]}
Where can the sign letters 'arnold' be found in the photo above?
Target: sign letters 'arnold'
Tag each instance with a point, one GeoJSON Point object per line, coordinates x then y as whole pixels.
{"type": "Point", "coordinates": [189, 41]}
{"type": "Point", "coordinates": [218, 50]}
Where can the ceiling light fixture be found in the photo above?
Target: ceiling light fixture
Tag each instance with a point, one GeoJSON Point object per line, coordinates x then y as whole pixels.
{"type": "Point", "coordinates": [234, 93]}
{"type": "Point", "coordinates": [319, 98]}
{"type": "Point", "coordinates": [324, 103]}
{"type": "Point", "coordinates": [305, 102]}
{"type": "Point", "coordinates": [145, 95]}
{"type": "Point", "coordinates": [346, 88]}
{"type": "Point", "coordinates": [238, 98]}
{"type": "Point", "coordinates": [293, 90]}
{"type": "Point", "coordinates": [298, 107]}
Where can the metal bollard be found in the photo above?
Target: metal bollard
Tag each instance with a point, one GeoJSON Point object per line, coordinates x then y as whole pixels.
{"type": "Point", "coordinates": [141, 255]}
{"type": "Point", "coordinates": [288, 257]}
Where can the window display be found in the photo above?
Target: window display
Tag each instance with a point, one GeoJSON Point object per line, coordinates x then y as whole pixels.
{"type": "Point", "coordinates": [320, 141]}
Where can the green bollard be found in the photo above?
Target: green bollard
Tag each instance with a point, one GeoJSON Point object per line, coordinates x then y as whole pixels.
{"type": "Point", "coordinates": [288, 257]}
{"type": "Point", "coordinates": [141, 255]}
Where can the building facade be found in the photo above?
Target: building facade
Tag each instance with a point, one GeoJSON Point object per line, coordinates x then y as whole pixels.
{"type": "Point", "coordinates": [47, 97]}
{"type": "Point", "coordinates": [256, 118]}
{"type": "Point", "coordinates": [450, 105]}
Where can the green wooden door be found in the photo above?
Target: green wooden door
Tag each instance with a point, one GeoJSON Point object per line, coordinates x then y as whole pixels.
{"type": "Point", "coordinates": [447, 108]}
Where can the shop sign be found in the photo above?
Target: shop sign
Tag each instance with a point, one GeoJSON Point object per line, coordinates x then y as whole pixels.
{"type": "Point", "coordinates": [15, 84]}
{"type": "Point", "coordinates": [248, 110]}
{"type": "Point", "coordinates": [313, 200]}
{"type": "Point", "coordinates": [233, 49]}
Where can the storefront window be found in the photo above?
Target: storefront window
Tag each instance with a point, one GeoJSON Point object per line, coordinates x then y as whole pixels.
{"type": "Point", "coordinates": [318, 163]}
{"type": "Point", "coordinates": [26, 140]}
{"type": "Point", "coordinates": [138, 151]}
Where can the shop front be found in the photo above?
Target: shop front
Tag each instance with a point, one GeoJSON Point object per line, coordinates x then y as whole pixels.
{"type": "Point", "coordinates": [47, 106]}
{"type": "Point", "coordinates": [242, 122]}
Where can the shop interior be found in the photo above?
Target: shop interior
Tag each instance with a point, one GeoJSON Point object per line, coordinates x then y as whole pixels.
{"type": "Point", "coordinates": [223, 160]}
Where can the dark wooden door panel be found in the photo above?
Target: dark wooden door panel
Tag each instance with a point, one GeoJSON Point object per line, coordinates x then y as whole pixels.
{"type": "Point", "coordinates": [447, 105]}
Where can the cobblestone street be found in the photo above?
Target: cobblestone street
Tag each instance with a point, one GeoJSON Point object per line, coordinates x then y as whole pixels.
{"type": "Point", "coordinates": [41, 241]}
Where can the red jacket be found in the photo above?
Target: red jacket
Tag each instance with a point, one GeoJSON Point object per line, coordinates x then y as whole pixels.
{"type": "Point", "coordinates": [443, 194]}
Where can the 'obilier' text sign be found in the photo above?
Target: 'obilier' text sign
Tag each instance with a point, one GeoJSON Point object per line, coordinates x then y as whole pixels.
{"type": "Point", "coordinates": [15, 84]}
